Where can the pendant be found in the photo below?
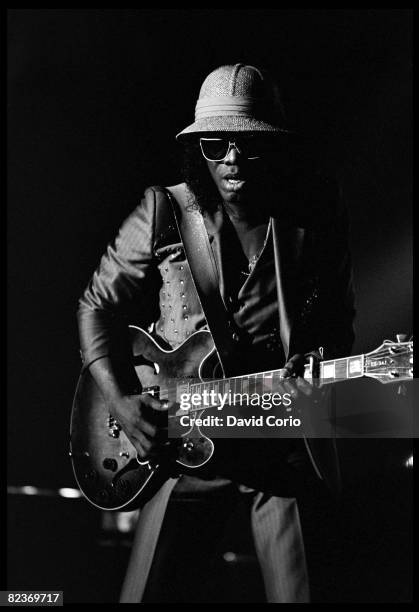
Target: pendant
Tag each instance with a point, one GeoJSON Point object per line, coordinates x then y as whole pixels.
{"type": "Point", "coordinates": [252, 261]}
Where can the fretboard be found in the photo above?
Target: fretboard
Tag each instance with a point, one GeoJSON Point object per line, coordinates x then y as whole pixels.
{"type": "Point", "coordinates": [270, 382]}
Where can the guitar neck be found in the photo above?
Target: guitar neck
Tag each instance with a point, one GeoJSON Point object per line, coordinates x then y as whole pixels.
{"type": "Point", "coordinates": [268, 382]}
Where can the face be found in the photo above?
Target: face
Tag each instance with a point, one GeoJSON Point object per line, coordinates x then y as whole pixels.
{"type": "Point", "coordinates": [239, 174]}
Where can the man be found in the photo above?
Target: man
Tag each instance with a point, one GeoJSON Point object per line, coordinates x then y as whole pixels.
{"type": "Point", "coordinates": [278, 235]}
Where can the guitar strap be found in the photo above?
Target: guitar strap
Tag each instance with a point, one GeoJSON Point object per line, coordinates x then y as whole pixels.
{"type": "Point", "coordinates": [204, 272]}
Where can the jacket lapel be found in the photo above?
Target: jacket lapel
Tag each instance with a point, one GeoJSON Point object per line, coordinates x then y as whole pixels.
{"type": "Point", "coordinates": [288, 253]}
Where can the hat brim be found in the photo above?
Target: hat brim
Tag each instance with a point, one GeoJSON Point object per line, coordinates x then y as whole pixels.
{"type": "Point", "coordinates": [230, 123]}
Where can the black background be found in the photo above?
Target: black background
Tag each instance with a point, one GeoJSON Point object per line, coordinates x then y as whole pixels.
{"type": "Point", "coordinates": [95, 98]}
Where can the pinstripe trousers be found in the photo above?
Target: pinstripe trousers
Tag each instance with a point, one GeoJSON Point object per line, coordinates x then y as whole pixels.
{"type": "Point", "coordinates": [155, 573]}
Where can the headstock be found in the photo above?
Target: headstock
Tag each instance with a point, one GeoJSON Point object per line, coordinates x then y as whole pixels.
{"type": "Point", "coordinates": [390, 362]}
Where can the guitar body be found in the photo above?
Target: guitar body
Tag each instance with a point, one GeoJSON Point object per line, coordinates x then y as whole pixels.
{"type": "Point", "coordinates": [105, 463]}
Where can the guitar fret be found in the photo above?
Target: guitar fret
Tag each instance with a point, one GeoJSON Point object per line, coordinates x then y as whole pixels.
{"type": "Point", "coordinates": [259, 384]}
{"type": "Point", "coordinates": [216, 389]}
{"type": "Point", "coordinates": [327, 371]}
{"type": "Point", "coordinates": [276, 381]}
{"type": "Point", "coordinates": [267, 382]}
{"type": "Point", "coordinates": [207, 401]}
{"type": "Point", "coordinates": [355, 366]}
{"type": "Point", "coordinates": [341, 368]}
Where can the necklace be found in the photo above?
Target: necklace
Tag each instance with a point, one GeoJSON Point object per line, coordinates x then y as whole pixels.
{"type": "Point", "coordinates": [253, 260]}
{"type": "Point", "coordinates": [252, 263]}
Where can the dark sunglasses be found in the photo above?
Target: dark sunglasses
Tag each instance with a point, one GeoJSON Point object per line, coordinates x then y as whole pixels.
{"type": "Point", "coordinates": [217, 149]}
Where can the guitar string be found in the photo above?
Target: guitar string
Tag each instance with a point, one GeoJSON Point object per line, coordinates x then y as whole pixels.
{"type": "Point", "coordinates": [371, 369]}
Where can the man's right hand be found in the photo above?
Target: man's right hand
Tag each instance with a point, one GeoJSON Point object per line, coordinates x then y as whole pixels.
{"type": "Point", "coordinates": [144, 421]}
{"type": "Point", "coordinates": [143, 418]}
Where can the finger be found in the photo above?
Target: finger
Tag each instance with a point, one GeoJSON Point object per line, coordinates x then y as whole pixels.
{"type": "Point", "coordinates": [284, 373]}
{"type": "Point", "coordinates": [143, 441]}
{"type": "Point", "coordinates": [163, 406]}
{"type": "Point", "coordinates": [141, 452]}
{"type": "Point", "coordinates": [151, 402]}
{"type": "Point", "coordinates": [291, 387]}
{"type": "Point", "coordinates": [296, 364]}
{"type": "Point", "coordinates": [279, 387]}
{"type": "Point", "coordinates": [146, 427]}
{"type": "Point", "coordinates": [304, 386]}
{"type": "Point", "coordinates": [138, 447]}
{"type": "Point", "coordinates": [160, 405]}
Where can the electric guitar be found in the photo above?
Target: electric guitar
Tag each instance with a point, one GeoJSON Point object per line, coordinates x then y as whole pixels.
{"type": "Point", "coordinates": [106, 466]}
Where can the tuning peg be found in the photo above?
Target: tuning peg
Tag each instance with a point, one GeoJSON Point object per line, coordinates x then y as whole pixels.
{"type": "Point", "coordinates": [401, 337]}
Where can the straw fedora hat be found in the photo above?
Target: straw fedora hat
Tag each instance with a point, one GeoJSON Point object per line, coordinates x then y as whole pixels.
{"type": "Point", "coordinates": [237, 98]}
